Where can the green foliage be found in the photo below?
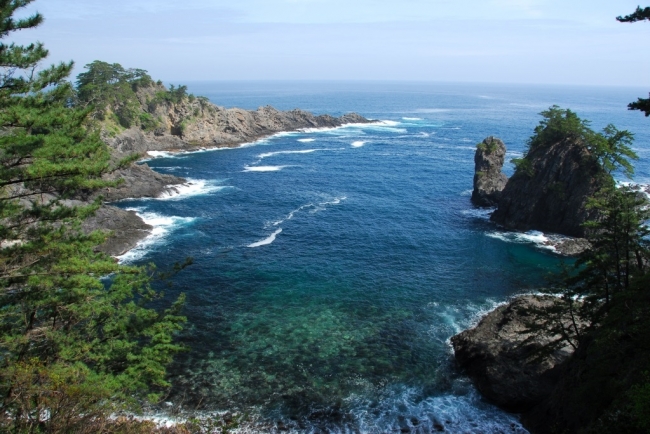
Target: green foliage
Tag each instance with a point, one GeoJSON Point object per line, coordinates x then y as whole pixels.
{"type": "Point", "coordinates": [642, 104]}
{"type": "Point", "coordinates": [638, 15]}
{"type": "Point", "coordinates": [559, 125]}
{"type": "Point", "coordinates": [611, 148]}
{"type": "Point", "coordinates": [147, 122]}
{"type": "Point", "coordinates": [111, 88]}
{"type": "Point", "coordinates": [523, 166]}
{"type": "Point", "coordinates": [640, 397]}
{"type": "Point", "coordinates": [487, 147]}
{"type": "Point", "coordinates": [619, 246]}
{"type": "Point", "coordinates": [174, 95]}
{"type": "Point", "coordinates": [73, 345]}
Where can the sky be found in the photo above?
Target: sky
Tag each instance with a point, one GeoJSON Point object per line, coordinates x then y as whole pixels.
{"type": "Point", "coordinates": [497, 41]}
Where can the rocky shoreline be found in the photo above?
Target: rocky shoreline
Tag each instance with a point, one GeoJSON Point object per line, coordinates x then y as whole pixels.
{"type": "Point", "coordinates": [216, 127]}
{"type": "Point", "coordinates": [506, 360]}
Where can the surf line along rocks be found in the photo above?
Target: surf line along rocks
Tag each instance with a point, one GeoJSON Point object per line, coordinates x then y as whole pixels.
{"type": "Point", "coordinates": [506, 361]}
{"type": "Point", "coordinates": [215, 127]}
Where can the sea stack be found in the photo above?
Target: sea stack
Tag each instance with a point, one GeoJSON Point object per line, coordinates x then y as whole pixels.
{"type": "Point", "coordinates": [489, 181]}
{"type": "Point", "coordinates": [550, 190]}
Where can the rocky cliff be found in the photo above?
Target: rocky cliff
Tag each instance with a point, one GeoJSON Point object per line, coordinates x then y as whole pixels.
{"type": "Point", "coordinates": [189, 125]}
{"type": "Point", "coordinates": [489, 181]}
{"type": "Point", "coordinates": [503, 358]}
{"type": "Point", "coordinates": [550, 189]}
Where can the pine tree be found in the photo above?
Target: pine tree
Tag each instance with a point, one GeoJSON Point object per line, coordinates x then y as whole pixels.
{"type": "Point", "coordinates": [642, 104]}
{"type": "Point", "coordinates": [78, 338]}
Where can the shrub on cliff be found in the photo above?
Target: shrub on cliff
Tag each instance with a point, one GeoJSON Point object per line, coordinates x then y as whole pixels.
{"type": "Point", "coordinates": [78, 336]}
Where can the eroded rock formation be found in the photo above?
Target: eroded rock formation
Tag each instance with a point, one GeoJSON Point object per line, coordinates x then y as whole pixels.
{"type": "Point", "coordinates": [489, 181]}
{"type": "Point", "coordinates": [504, 360]}
{"type": "Point", "coordinates": [550, 189]}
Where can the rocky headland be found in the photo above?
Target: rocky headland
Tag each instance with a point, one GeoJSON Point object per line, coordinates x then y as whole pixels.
{"type": "Point", "coordinates": [185, 124]}
{"type": "Point", "coordinates": [548, 191]}
{"type": "Point", "coordinates": [577, 362]}
{"type": "Point", "coordinates": [506, 359]}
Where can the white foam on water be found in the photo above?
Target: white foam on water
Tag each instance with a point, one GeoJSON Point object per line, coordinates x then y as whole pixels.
{"type": "Point", "coordinates": [540, 239]}
{"type": "Point", "coordinates": [162, 227]}
{"type": "Point", "coordinates": [385, 125]}
{"type": "Point", "coordinates": [406, 411]}
{"type": "Point", "coordinates": [306, 140]}
{"type": "Point", "coordinates": [313, 207]}
{"type": "Point", "coordinates": [477, 213]}
{"type": "Point", "coordinates": [271, 154]}
{"type": "Point", "coordinates": [266, 140]}
{"type": "Point", "coordinates": [160, 154]}
{"type": "Point", "coordinates": [263, 168]}
{"type": "Point", "coordinates": [466, 192]}
{"type": "Point", "coordinates": [193, 187]}
{"type": "Point", "coordinates": [413, 119]}
{"type": "Point", "coordinates": [266, 241]}
{"type": "Point", "coordinates": [358, 144]}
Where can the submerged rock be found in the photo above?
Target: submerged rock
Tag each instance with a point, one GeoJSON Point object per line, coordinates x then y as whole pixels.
{"type": "Point", "coordinates": [504, 360]}
{"type": "Point", "coordinates": [489, 181]}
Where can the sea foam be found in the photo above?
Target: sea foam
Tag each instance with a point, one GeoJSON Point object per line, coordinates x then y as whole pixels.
{"type": "Point", "coordinates": [162, 227]}
{"type": "Point", "coordinates": [263, 168]}
{"type": "Point", "coordinates": [193, 187]}
{"type": "Point", "coordinates": [266, 241]}
{"type": "Point", "coordinates": [537, 238]}
{"type": "Point", "coordinates": [313, 207]}
{"type": "Point", "coordinates": [358, 144]}
{"type": "Point", "coordinates": [271, 154]}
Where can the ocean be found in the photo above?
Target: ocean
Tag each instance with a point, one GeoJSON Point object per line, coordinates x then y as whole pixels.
{"type": "Point", "coordinates": [331, 266]}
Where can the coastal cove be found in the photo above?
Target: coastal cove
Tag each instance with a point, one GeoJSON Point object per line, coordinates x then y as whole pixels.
{"type": "Point", "coordinates": [333, 265]}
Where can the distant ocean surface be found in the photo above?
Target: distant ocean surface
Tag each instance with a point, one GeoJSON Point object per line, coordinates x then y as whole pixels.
{"type": "Point", "coordinates": [332, 266]}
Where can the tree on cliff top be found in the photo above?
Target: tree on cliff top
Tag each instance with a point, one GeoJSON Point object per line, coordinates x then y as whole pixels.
{"type": "Point", "coordinates": [73, 345]}
{"type": "Point", "coordinates": [642, 104]}
{"type": "Point", "coordinates": [611, 147]}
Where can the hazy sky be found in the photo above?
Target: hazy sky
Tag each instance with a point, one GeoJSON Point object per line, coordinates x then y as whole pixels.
{"type": "Point", "coordinates": [508, 41]}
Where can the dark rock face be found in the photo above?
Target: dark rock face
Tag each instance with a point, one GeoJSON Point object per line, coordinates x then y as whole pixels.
{"type": "Point", "coordinates": [488, 179]}
{"type": "Point", "coordinates": [506, 370]}
{"type": "Point", "coordinates": [126, 227]}
{"type": "Point", "coordinates": [139, 181]}
{"type": "Point", "coordinates": [571, 246]}
{"type": "Point", "coordinates": [549, 193]}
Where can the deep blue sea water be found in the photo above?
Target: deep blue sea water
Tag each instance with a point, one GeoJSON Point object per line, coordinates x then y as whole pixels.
{"type": "Point", "coordinates": [332, 266]}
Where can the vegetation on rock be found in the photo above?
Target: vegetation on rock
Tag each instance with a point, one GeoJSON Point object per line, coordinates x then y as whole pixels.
{"type": "Point", "coordinates": [79, 338]}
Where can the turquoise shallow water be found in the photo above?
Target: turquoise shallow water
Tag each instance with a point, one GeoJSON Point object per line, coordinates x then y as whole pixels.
{"type": "Point", "coordinates": [332, 266]}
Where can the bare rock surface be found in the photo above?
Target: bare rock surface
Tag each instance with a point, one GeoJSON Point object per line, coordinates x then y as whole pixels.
{"type": "Point", "coordinates": [125, 226]}
{"type": "Point", "coordinates": [192, 125]}
{"type": "Point", "coordinates": [570, 246]}
{"type": "Point", "coordinates": [505, 367]}
{"type": "Point", "coordinates": [549, 192]}
{"type": "Point", "coordinates": [489, 181]}
{"type": "Point", "coordinates": [138, 181]}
